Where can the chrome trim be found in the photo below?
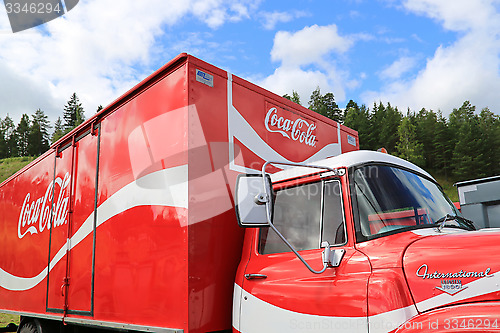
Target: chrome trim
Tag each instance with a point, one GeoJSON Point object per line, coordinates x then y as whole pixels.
{"type": "Point", "coordinates": [96, 323]}
{"type": "Point", "coordinates": [33, 315]}
{"type": "Point", "coordinates": [140, 328]}
{"type": "Point", "coordinates": [255, 276]}
{"type": "Point", "coordinates": [343, 212]}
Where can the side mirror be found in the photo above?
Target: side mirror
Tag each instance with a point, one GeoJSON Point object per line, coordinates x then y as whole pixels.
{"type": "Point", "coordinates": [252, 202]}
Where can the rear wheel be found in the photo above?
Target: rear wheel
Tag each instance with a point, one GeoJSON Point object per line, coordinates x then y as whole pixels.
{"type": "Point", "coordinates": [29, 327]}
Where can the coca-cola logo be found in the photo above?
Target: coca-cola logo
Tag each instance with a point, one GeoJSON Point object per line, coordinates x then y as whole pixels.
{"type": "Point", "coordinates": [41, 213]}
{"type": "Point", "coordinates": [298, 129]}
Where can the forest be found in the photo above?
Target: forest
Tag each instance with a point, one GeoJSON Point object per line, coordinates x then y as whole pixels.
{"type": "Point", "coordinates": [457, 147]}
{"type": "Point", "coordinates": [32, 136]}
{"type": "Point", "coordinates": [461, 146]}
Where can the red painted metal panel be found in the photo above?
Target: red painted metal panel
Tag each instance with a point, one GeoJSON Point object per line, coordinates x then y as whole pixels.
{"type": "Point", "coordinates": [457, 273]}
{"type": "Point", "coordinates": [80, 257]}
{"type": "Point", "coordinates": [25, 204]}
{"type": "Point", "coordinates": [59, 231]}
{"type": "Point", "coordinates": [289, 285]}
{"type": "Point", "coordinates": [141, 273]}
{"type": "Point", "coordinates": [477, 318]}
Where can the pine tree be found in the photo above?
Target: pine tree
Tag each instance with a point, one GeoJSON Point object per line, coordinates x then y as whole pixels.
{"type": "Point", "coordinates": [58, 130]}
{"type": "Point", "coordinates": [315, 102]}
{"type": "Point", "coordinates": [377, 116]}
{"type": "Point", "coordinates": [39, 134]}
{"type": "Point", "coordinates": [389, 128]}
{"type": "Point", "coordinates": [294, 98]}
{"type": "Point", "coordinates": [23, 131]}
{"type": "Point", "coordinates": [489, 137]}
{"type": "Point", "coordinates": [3, 143]}
{"type": "Point", "coordinates": [9, 130]}
{"type": "Point", "coordinates": [73, 113]}
{"type": "Point", "coordinates": [325, 105]}
{"type": "Point", "coordinates": [358, 119]}
{"type": "Point", "coordinates": [408, 147]}
{"type": "Point", "coordinates": [467, 158]}
{"type": "Point", "coordinates": [426, 122]}
{"type": "Point", "coordinates": [443, 143]}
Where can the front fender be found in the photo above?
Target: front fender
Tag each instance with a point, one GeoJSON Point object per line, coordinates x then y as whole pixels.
{"type": "Point", "coordinates": [475, 317]}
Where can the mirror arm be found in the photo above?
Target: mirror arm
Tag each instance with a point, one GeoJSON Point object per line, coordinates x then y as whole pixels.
{"type": "Point", "coordinates": [325, 264]}
{"type": "Point", "coordinates": [327, 253]}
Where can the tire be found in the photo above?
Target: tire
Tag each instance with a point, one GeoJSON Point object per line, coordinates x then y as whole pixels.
{"type": "Point", "coordinates": [29, 327]}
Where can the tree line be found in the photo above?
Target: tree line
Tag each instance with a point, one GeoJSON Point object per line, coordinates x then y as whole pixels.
{"type": "Point", "coordinates": [32, 136]}
{"type": "Point", "coordinates": [461, 146]}
{"type": "Point", "coordinates": [464, 145]}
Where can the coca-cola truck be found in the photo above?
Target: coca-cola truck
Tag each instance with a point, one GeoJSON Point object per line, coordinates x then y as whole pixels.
{"type": "Point", "coordinates": [128, 221]}
{"type": "Point", "coordinates": [199, 202]}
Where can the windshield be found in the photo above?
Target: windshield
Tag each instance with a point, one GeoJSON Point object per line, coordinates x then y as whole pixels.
{"type": "Point", "coordinates": [389, 199]}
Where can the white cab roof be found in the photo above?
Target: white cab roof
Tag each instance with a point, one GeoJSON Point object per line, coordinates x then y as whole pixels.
{"type": "Point", "coordinates": [348, 160]}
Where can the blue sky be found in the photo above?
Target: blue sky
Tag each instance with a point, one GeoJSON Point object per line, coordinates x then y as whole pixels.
{"type": "Point", "coordinates": [412, 53]}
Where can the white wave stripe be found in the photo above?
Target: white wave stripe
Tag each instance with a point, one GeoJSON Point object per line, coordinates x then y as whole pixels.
{"type": "Point", "coordinates": [239, 128]}
{"type": "Point", "coordinates": [391, 320]}
{"type": "Point", "coordinates": [479, 287]}
{"type": "Point", "coordinates": [168, 187]}
{"type": "Point", "coordinates": [260, 316]}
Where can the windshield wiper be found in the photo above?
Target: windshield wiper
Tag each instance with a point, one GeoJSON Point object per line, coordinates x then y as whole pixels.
{"type": "Point", "coordinates": [469, 225]}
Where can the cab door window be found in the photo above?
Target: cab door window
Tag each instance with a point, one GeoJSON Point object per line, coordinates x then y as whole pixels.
{"type": "Point", "coordinates": [305, 215]}
{"type": "Point", "coordinates": [333, 214]}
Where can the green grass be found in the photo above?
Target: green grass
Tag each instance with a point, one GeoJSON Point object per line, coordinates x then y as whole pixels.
{"type": "Point", "coordinates": [448, 188]}
{"type": "Point", "coordinates": [9, 166]}
{"type": "Point", "coordinates": [6, 319]}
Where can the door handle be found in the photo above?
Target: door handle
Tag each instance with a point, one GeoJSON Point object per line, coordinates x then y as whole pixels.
{"type": "Point", "coordinates": [64, 285]}
{"type": "Point", "coordinates": [255, 276]}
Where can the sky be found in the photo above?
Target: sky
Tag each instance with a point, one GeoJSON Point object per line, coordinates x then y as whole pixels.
{"type": "Point", "coordinates": [432, 54]}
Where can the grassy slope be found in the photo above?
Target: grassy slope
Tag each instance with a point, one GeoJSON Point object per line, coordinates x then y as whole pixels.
{"type": "Point", "coordinates": [9, 166]}
{"type": "Point", "coordinates": [449, 189]}
{"type": "Point", "coordinates": [6, 319]}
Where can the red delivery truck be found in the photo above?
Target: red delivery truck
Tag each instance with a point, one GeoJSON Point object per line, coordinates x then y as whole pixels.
{"type": "Point", "coordinates": [199, 202]}
{"type": "Point", "coordinates": [128, 221]}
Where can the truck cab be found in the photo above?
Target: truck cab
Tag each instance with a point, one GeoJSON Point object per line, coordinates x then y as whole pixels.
{"type": "Point", "coordinates": [361, 242]}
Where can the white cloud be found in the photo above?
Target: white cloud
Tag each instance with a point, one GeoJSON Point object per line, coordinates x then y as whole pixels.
{"type": "Point", "coordinates": [398, 68]}
{"type": "Point", "coordinates": [307, 61]}
{"type": "Point", "coordinates": [22, 92]}
{"type": "Point", "coordinates": [271, 19]}
{"type": "Point", "coordinates": [99, 50]}
{"type": "Point", "coordinates": [454, 74]}
{"type": "Point", "coordinates": [285, 80]}
{"type": "Point", "coordinates": [455, 15]}
{"type": "Point", "coordinates": [216, 12]}
{"type": "Point", "coordinates": [467, 69]}
{"type": "Point", "coordinates": [308, 45]}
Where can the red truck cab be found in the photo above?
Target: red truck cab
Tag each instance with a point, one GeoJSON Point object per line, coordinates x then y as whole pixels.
{"type": "Point", "coordinates": [399, 256]}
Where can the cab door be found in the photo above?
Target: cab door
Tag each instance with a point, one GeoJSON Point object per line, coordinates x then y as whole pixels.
{"type": "Point", "coordinates": [279, 293]}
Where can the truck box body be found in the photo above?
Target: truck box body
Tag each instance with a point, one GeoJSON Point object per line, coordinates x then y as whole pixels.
{"type": "Point", "coordinates": [480, 201]}
{"type": "Point", "coordinates": [128, 221]}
